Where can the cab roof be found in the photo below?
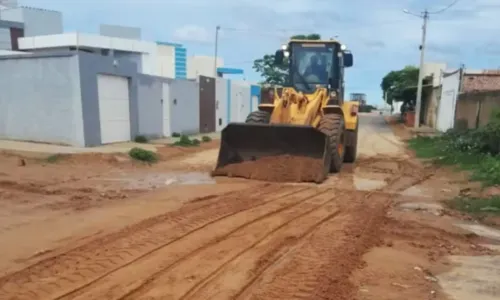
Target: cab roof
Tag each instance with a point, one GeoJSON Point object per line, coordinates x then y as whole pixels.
{"type": "Point", "coordinates": [315, 41]}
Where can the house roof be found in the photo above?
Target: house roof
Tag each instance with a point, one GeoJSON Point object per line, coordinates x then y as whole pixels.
{"type": "Point", "coordinates": [488, 80]}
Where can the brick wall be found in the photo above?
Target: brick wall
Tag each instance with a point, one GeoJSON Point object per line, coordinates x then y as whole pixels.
{"type": "Point", "coordinates": [489, 80]}
{"type": "Point", "coordinates": [474, 108]}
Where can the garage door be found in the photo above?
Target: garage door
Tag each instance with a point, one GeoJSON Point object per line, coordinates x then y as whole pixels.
{"type": "Point", "coordinates": [114, 111]}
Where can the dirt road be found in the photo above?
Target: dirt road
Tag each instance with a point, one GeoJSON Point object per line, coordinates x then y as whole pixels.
{"type": "Point", "coordinates": [233, 240]}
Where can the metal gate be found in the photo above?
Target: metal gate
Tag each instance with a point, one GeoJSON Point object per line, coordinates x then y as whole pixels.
{"type": "Point", "coordinates": [449, 94]}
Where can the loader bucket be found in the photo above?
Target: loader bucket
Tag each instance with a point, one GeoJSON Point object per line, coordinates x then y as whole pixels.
{"type": "Point", "coordinates": [242, 142]}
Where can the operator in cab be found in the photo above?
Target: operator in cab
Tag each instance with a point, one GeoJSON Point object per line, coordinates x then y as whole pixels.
{"type": "Point", "coordinates": [317, 69]}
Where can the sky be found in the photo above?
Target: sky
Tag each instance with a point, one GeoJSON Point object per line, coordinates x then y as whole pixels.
{"type": "Point", "coordinates": [381, 37]}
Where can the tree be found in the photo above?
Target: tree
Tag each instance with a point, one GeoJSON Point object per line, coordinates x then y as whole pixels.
{"type": "Point", "coordinates": [401, 85]}
{"type": "Point", "coordinates": [277, 75]}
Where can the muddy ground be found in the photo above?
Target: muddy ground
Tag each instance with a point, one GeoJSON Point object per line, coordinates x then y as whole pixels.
{"type": "Point", "coordinates": [100, 226]}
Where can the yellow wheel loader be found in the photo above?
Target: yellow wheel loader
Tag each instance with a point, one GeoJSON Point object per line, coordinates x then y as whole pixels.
{"type": "Point", "coordinates": [310, 118]}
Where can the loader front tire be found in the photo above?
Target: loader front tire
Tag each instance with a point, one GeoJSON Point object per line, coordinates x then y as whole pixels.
{"type": "Point", "coordinates": [258, 117]}
{"type": "Point", "coordinates": [352, 147]}
{"type": "Point", "coordinates": [332, 125]}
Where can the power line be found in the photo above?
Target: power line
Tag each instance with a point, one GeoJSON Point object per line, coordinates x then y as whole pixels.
{"type": "Point", "coordinates": [284, 31]}
{"type": "Point", "coordinates": [445, 8]}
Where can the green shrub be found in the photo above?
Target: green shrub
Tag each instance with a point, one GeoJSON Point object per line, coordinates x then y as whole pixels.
{"type": "Point", "coordinates": [143, 155]}
{"type": "Point", "coordinates": [476, 205]}
{"type": "Point", "coordinates": [176, 134]}
{"type": "Point", "coordinates": [141, 139]}
{"type": "Point", "coordinates": [54, 158]}
{"type": "Point", "coordinates": [475, 150]}
{"type": "Point", "coordinates": [206, 139]}
{"type": "Point", "coordinates": [185, 141]}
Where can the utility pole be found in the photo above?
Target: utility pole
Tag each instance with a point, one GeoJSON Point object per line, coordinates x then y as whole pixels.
{"type": "Point", "coordinates": [421, 70]}
{"type": "Point", "coordinates": [425, 16]}
{"type": "Point", "coordinates": [217, 28]}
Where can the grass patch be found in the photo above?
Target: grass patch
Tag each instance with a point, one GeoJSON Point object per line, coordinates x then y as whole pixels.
{"type": "Point", "coordinates": [476, 205]}
{"type": "Point", "coordinates": [206, 139]}
{"type": "Point", "coordinates": [54, 158]}
{"type": "Point", "coordinates": [141, 139]}
{"type": "Point", "coordinates": [484, 167]}
{"type": "Point", "coordinates": [185, 141]}
{"type": "Point", "coordinates": [472, 150]}
{"type": "Point", "coordinates": [143, 155]}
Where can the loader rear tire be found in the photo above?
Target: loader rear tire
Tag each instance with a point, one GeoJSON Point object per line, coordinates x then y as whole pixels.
{"type": "Point", "coordinates": [332, 125]}
{"type": "Point", "coordinates": [258, 117]}
{"type": "Point", "coordinates": [352, 149]}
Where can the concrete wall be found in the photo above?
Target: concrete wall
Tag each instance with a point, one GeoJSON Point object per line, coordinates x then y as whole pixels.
{"type": "Point", "coordinates": [40, 101]}
{"type": "Point", "coordinates": [434, 70]}
{"type": "Point", "coordinates": [134, 57]}
{"type": "Point", "coordinates": [8, 4]}
{"type": "Point", "coordinates": [475, 108]}
{"type": "Point", "coordinates": [255, 97]}
{"type": "Point", "coordinates": [239, 101]}
{"type": "Point", "coordinates": [5, 33]}
{"type": "Point", "coordinates": [166, 61]}
{"type": "Point", "coordinates": [150, 111]}
{"type": "Point", "coordinates": [221, 103]}
{"type": "Point", "coordinates": [431, 111]}
{"type": "Point", "coordinates": [126, 32]}
{"type": "Point", "coordinates": [90, 66]}
{"type": "Point", "coordinates": [202, 65]}
{"type": "Point", "coordinates": [36, 21]}
{"type": "Point", "coordinates": [5, 41]}
{"type": "Point", "coordinates": [184, 106]}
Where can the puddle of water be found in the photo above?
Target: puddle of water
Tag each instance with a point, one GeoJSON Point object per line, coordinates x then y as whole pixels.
{"type": "Point", "coordinates": [476, 277]}
{"type": "Point", "coordinates": [415, 191]}
{"type": "Point", "coordinates": [432, 208]}
{"type": "Point", "coordinates": [156, 180]}
{"type": "Point", "coordinates": [492, 247]}
{"type": "Point", "coordinates": [364, 184]}
{"type": "Point", "coordinates": [191, 178]}
{"type": "Point", "coordinates": [481, 230]}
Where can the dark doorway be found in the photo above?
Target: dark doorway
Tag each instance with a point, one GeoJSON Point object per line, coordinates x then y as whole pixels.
{"type": "Point", "coordinates": [15, 33]}
{"type": "Point", "coordinates": [207, 104]}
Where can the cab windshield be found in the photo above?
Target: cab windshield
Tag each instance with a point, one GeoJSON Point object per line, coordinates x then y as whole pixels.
{"type": "Point", "coordinates": [311, 65]}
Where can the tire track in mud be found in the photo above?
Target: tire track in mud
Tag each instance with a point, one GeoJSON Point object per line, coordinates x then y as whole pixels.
{"type": "Point", "coordinates": [58, 275]}
{"type": "Point", "coordinates": [121, 285]}
{"type": "Point", "coordinates": [320, 266]}
{"type": "Point", "coordinates": [254, 243]}
{"type": "Point", "coordinates": [173, 284]}
{"type": "Point", "coordinates": [243, 269]}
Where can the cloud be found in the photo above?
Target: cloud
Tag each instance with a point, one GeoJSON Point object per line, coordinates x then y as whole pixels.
{"type": "Point", "coordinates": [443, 49]}
{"type": "Point", "coordinates": [193, 33]}
{"type": "Point", "coordinates": [375, 44]}
{"type": "Point", "coordinates": [380, 35]}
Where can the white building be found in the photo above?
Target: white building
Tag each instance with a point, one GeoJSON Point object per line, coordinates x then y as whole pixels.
{"type": "Point", "coordinates": [153, 58]}
{"type": "Point", "coordinates": [36, 21]}
{"type": "Point", "coordinates": [202, 65]}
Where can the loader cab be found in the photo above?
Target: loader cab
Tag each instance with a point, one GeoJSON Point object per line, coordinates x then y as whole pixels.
{"type": "Point", "coordinates": [314, 63]}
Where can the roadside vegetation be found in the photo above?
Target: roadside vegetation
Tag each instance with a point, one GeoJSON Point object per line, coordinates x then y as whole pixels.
{"type": "Point", "coordinates": [141, 139]}
{"type": "Point", "coordinates": [473, 150]}
{"type": "Point", "coordinates": [143, 155]}
{"type": "Point", "coordinates": [54, 158]}
{"type": "Point", "coordinates": [186, 141]}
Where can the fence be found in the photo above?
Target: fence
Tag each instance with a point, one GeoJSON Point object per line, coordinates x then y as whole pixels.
{"type": "Point", "coordinates": [474, 109]}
